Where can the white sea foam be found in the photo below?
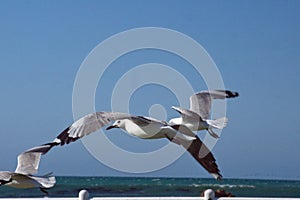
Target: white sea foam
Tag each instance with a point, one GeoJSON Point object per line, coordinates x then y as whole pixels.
{"type": "Point", "coordinates": [223, 185]}
{"type": "Point", "coordinates": [155, 179]}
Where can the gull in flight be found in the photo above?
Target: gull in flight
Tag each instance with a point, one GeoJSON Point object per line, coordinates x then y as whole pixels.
{"type": "Point", "coordinates": [28, 163]}
{"type": "Point", "coordinates": [197, 117]}
{"type": "Point", "coordinates": [145, 128]}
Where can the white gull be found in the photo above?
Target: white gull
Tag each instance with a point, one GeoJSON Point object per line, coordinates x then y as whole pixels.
{"type": "Point", "coordinates": [28, 163]}
{"type": "Point", "coordinates": [144, 128]}
{"type": "Point", "coordinates": [197, 117]}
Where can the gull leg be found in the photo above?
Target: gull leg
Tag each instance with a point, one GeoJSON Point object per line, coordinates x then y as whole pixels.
{"type": "Point", "coordinates": [212, 133]}
{"type": "Point", "coordinates": [44, 191]}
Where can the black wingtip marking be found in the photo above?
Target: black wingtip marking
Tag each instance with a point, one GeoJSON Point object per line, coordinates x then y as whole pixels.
{"type": "Point", "coordinates": [230, 94]}
{"type": "Point", "coordinates": [70, 139]}
{"type": "Point", "coordinates": [64, 137]}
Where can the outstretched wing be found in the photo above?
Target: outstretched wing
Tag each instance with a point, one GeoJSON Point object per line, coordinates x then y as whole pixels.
{"type": "Point", "coordinates": [200, 102]}
{"type": "Point", "coordinates": [198, 150]}
{"type": "Point", "coordinates": [28, 161]}
{"type": "Point", "coordinates": [88, 124]}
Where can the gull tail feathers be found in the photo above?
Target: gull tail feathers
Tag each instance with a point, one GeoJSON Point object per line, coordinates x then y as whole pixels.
{"type": "Point", "coordinates": [218, 123]}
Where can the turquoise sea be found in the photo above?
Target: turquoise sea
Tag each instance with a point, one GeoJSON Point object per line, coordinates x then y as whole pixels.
{"type": "Point", "coordinates": [130, 186]}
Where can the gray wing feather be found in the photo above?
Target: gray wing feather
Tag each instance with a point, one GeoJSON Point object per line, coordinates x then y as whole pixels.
{"type": "Point", "coordinates": [140, 121]}
{"type": "Point", "coordinates": [145, 121]}
{"type": "Point", "coordinates": [5, 176]}
{"type": "Point", "coordinates": [200, 102]}
{"type": "Point", "coordinates": [45, 181]}
{"type": "Point", "coordinates": [28, 161]}
{"type": "Point", "coordinates": [89, 124]}
{"type": "Point", "coordinates": [188, 116]}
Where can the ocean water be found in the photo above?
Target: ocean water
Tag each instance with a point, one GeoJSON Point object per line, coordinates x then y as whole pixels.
{"type": "Point", "coordinates": [131, 186]}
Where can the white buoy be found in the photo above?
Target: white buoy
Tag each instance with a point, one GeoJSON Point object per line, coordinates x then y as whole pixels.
{"type": "Point", "coordinates": [83, 195]}
{"type": "Point", "coordinates": [209, 194]}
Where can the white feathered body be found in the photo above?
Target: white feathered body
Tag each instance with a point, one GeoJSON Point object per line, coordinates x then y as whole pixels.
{"type": "Point", "coordinates": [191, 124]}
{"type": "Point", "coordinates": [150, 131]}
{"type": "Point", "coordinates": [27, 181]}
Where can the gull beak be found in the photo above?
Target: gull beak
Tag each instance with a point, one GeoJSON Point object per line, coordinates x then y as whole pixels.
{"type": "Point", "coordinates": [110, 127]}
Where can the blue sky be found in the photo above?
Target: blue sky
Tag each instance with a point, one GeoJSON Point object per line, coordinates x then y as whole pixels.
{"type": "Point", "coordinates": [255, 45]}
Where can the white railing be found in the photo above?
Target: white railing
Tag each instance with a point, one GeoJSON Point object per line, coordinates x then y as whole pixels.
{"type": "Point", "coordinates": [209, 194]}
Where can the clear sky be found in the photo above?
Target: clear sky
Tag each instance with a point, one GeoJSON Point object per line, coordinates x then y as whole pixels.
{"type": "Point", "coordinates": [255, 45]}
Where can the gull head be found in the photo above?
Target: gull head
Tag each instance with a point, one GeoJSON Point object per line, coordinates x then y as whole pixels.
{"type": "Point", "coordinates": [117, 124]}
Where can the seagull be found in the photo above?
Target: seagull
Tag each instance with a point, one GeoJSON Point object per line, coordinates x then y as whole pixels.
{"type": "Point", "coordinates": [144, 128]}
{"type": "Point", "coordinates": [28, 163]}
{"type": "Point", "coordinates": [197, 117]}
